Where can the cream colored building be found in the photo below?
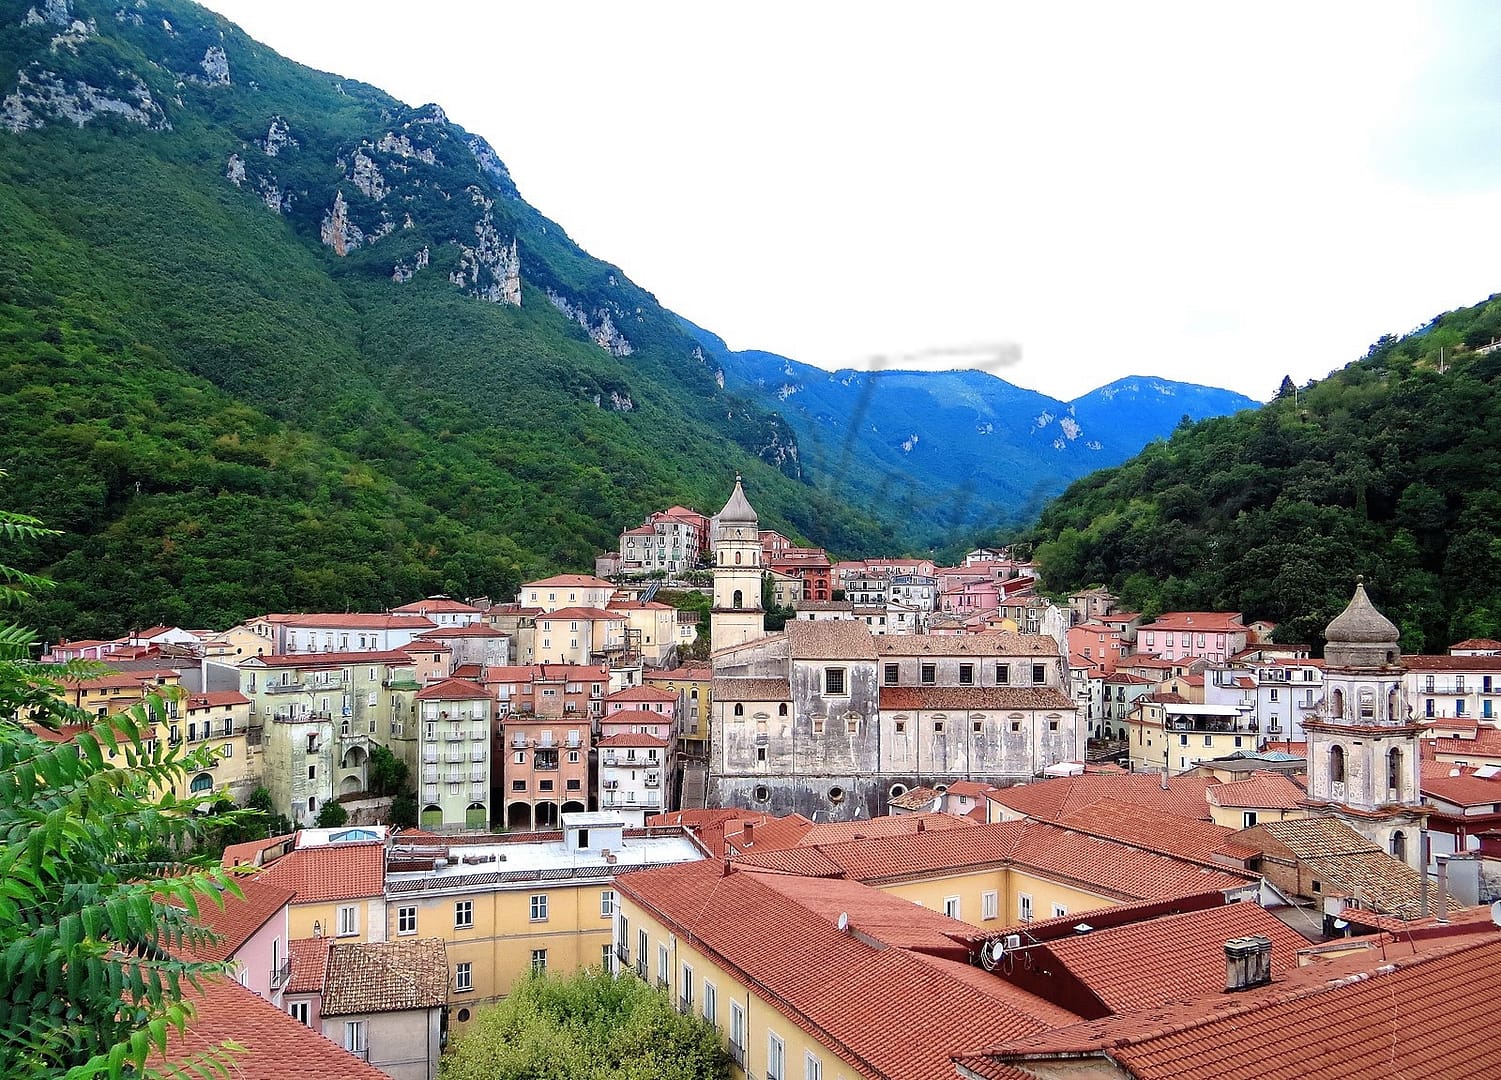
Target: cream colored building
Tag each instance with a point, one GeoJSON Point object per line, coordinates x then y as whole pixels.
{"type": "Point", "coordinates": [220, 721]}
{"type": "Point", "coordinates": [457, 727]}
{"type": "Point", "coordinates": [566, 590]}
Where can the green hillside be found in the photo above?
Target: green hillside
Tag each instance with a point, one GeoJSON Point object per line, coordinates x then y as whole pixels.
{"type": "Point", "coordinates": [225, 415]}
{"type": "Point", "coordinates": [1390, 468]}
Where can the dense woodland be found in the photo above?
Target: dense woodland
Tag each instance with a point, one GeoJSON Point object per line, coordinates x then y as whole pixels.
{"type": "Point", "coordinates": [1387, 468]}
{"type": "Point", "coordinates": [223, 417]}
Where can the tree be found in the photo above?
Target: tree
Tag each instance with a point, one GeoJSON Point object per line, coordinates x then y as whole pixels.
{"type": "Point", "coordinates": [92, 914]}
{"type": "Point", "coordinates": [588, 1026]}
{"type": "Point", "coordinates": [331, 815]}
{"type": "Point", "coordinates": [388, 773]}
{"type": "Point", "coordinates": [404, 810]}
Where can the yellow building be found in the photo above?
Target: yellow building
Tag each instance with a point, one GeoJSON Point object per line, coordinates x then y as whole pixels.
{"type": "Point", "coordinates": [805, 977]}
{"type": "Point", "coordinates": [219, 720]}
{"type": "Point", "coordinates": [1164, 731]}
{"type": "Point", "coordinates": [513, 904]}
{"type": "Point", "coordinates": [694, 686]}
{"type": "Point", "coordinates": [337, 877]}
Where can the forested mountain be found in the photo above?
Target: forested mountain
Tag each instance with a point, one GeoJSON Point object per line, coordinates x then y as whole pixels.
{"type": "Point", "coordinates": [957, 451]}
{"type": "Point", "coordinates": [1389, 468]}
{"type": "Point", "coordinates": [274, 340]}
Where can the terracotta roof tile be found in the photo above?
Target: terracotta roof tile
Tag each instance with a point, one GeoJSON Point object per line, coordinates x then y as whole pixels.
{"type": "Point", "coordinates": [833, 832]}
{"type": "Point", "coordinates": [454, 690]}
{"type": "Point", "coordinates": [238, 920]}
{"type": "Point", "coordinates": [1465, 789]}
{"type": "Point", "coordinates": [1326, 1020]}
{"type": "Point", "coordinates": [1148, 827]}
{"type": "Point", "coordinates": [1261, 790]}
{"type": "Point", "coordinates": [309, 958]}
{"type": "Point", "coordinates": [642, 693]}
{"type": "Point", "coordinates": [1047, 800]}
{"type": "Point", "coordinates": [1451, 663]}
{"type": "Point", "coordinates": [386, 976]}
{"type": "Point", "coordinates": [838, 639]}
{"type": "Point", "coordinates": [631, 738]}
{"type": "Point", "coordinates": [574, 581]}
{"type": "Point", "coordinates": [355, 621]}
{"type": "Point", "coordinates": [331, 872]}
{"type": "Point", "coordinates": [275, 1045]}
{"type": "Point", "coordinates": [728, 688]}
{"type": "Point", "coordinates": [986, 643]}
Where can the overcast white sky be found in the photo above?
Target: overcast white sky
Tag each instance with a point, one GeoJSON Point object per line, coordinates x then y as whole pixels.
{"type": "Point", "coordinates": [1194, 190]}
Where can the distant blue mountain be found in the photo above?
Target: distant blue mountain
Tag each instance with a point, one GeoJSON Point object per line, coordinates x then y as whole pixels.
{"type": "Point", "coordinates": [955, 451]}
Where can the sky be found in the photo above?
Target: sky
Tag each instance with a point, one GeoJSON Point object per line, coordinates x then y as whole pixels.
{"type": "Point", "coordinates": [1062, 194]}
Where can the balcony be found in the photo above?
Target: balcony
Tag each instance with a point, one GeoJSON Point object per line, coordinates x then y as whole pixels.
{"type": "Point", "coordinates": [401, 682]}
{"type": "Point", "coordinates": [737, 1054]}
{"type": "Point", "coordinates": [478, 776]}
{"type": "Point", "coordinates": [653, 780]}
{"type": "Point", "coordinates": [477, 754]}
{"type": "Point", "coordinates": [453, 757]}
{"type": "Point", "coordinates": [623, 954]}
{"type": "Point", "coordinates": [479, 735]}
{"type": "Point", "coordinates": [609, 758]}
{"type": "Point", "coordinates": [284, 688]}
{"type": "Point", "coordinates": [453, 736]}
{"type": "Point", "coordinates": [454, 776]}
{"type": "Point", "coordinates": [479, 793]}
{"type": "Point", "coordinates": [430, 793]}
{"type": "Point", "coordinates": [429, 756]}
{"type": "Point", "coordinates": [279, 976]}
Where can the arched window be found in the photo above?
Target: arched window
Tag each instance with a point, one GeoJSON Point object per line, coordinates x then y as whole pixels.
{"type": "Point", "coordinates": [312, 804]}
{"type": "Point", "coordinates": [1394, 771]}
{"type": "Point", "coordinates": [738, 600]}
{"type": "Point", "coordinates": [201, 783]}
{"type": "Point", "coordinates": [1367, 703]}
{"type": "Point", "coordinates": [739, 709]}
{"type": "Point", "coordinates": [1399, 845]}
{"type": "Point", "coordinates": [1337, 704]}
{"type": "Point", "coordinates": [737, 558]}
{"type": "Point", "coordinates": [1337, 764]}
{"type": "Point", "coordinates": [782, 709]}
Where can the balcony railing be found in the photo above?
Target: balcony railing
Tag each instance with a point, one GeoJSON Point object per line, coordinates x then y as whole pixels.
{"type": "Point", "coordinates": [453, 736]}
{"type": "Point", "coordinates": [478, 793]}
{"type": "Point", "coordinates": [623, 954]}
{"type": "Point", "coordinates": [478, 776]}
{"type": "Point", "coordinates": [479, 736]}
{"type": "Point", "coordinates": [279, 976]}
{"type": "Point", "coordinates": [737, 1054]}
{"type": "Point", "coordinates": [477, 754]}
{"type": "Point", "coordinates": [430, 793]}
{"type": "Point", "coordinates": [429, 756]}
{"type": "Point", "coordinates": [284, 688]}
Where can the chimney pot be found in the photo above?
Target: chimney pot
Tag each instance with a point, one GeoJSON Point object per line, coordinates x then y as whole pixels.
{"type": "Point", "coordinates": [1442, 912]}
{"type": "Point", "coordinates": [922, 826]}
{"type": "Point", "coordinates": [1248, 963]}
{"type": "Point", "coordinates": [749, 833]}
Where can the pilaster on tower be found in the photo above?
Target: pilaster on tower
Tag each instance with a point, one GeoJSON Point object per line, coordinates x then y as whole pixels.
{"type": "Point", "coordinates": [736, 616]}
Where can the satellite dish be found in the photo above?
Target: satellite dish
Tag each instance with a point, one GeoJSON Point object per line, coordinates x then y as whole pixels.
{"type": "Point", "coordinates": [1340, 924]}
{"type": "Point", "coordinates": [844, 920]}
{"type": "Point", "coordinates": [998, 948]}
{"type": "Point", "coordinates": [1496, 913]}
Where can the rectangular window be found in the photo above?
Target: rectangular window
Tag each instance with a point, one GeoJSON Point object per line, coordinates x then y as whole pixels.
{"type": "Point", "coordinates": [852, 725]}
{"type": "Point", "coordinates": [737, 1032]}
{"type": "Point", "coordinates": [539, 907]}
{"type": "Point", "coordinates": [812, 1067]}
{"type": "Point", "coordinates": [979, 726]}
{"type": "Point", "coordinates": [539, 961]}
{"type": "Point", "coordinates": [354, 1036]}
{"type": "Point", "coordinates": [1272, 694]}
{"type": "Point", "coordinates": [300, 1012]}
{"type": "Point", "coordinates": [406, 920]}
{"type": "Point", "coordinates": [1248, 819]}
{"type": "Point", "coordinates": [606, 956]}
{"type": "Point", "coordinates": [818, 725]}
{"type": "Point", "coordinates": [893, 674]}
{"type": "Point", "coordinates": [966, 674]}
{"type": "Point", "coordinates": [833, 680]}
{"type": "Point", "coordinates": [937, 727]}
{"type": "Point", "coordinates": [1059, 911]}
{"type": "Point", "coordinates": [776, 1057]}
{"type": "Point", "coordinates": [951, 906]}
{"type": "Point", "coordinates": [463, 977]}
{"type": "Point", "coordinates": [463, 914]}
{"type": "Point", "coordinates": [1208, 740]}
{"type": "Point", "coordinates": [607, 904]}
{"type": "Point", "coordinates": [990, 903]}
{"type": "Point", "coordinates": [312, 772]}
{"type": "Point", "coordinates": [349, 920]}
{"type": "Point", "coordinates": [928, 674]}
{"type": "Point", "coordinates": [1002, 674]}
{"type": "Point", "coordinates": [1039, 673]}
{"type": "Point", "coordinates": [1024, 907]}
{"type": "Point", "coordinates": [901, 727]}
{"type": "Point", "coordinates": [662, 966]}
{"type": "Point", "coordinates": [685, 990]}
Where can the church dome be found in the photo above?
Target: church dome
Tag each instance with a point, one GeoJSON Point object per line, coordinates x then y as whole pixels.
{"type": "Point", "coordinates": [1361, 637]}
{"type": "Point", "coordinates": [738, 511]}
{"type": "Point", "coordinates": [1361, 623]}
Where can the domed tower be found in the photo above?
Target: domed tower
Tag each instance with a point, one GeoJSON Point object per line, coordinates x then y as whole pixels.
{"type": "Point", "coordinates": [1362, 740]}
{"type": "Point", "coordinates": [736, 617]}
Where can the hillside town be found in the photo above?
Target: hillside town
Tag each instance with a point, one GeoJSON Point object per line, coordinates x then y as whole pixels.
{"type": "Point", "coordinates": [1039, 835]}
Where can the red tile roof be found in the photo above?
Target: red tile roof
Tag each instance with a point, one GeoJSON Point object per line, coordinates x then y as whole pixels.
{"type": "Point", "coordinates": [1451, 663]}
{"type": "Point", "coordinates": [216, 699]}
{"type": "Point", "coordinates": [1047, 800]}
{"type": "Point", "coordinates": [573, 581]}
{"type": "Point", "coordinates": [1260, 791]}
{"type": "Point", "coordinates": [834, 832]}
{"type": "Point", "coordinates": [796, 958]}
{"type": "Point", "coordinates": [1161, 960]}
{"type": "Point", "coordinates": [238, 920]}
{"type": "Point", "coordinates": [275, 1045]}
{"type": "Point", "coordinates": [331, 872]}
{"type": "Point", "coordinates": [309, 958]}
{"type": "Point", "coordinates": [968, 698]}
{"type": "Point", "coordinates": [247, 854]}
{"type": "Point", "coordinates": [1208, 622]}
{"type": "Point", "coordinates": [631, 738]}
{"type": "Point", "coordinates": [1148, 827]}
{"type": "Point", "coordinates": [1423, 1012]}
{"type": "Point", "coordinates": [473, 630]}
{"type": "Point", "coordinates": [581, 614]}
{"type": "Point", "coordinates": [1476, 643]}
{"type": "Point", "coordinates": [434, 603]}
{"type": "Point", "coordinates": [454, 690]}
{"type": "Point", "coordinates": [642, 693]}
{"type": "Point", "coordinates": [1467, 788]}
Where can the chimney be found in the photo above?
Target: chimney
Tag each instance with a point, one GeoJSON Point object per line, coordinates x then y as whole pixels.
{"type": "Point", "coordinates": [748, 834]}
{"type": "Point", "coordinates": [1162, 780]}
{"type": "Point", "coordinates": [1248, 963]}
{"type": "Point", "coordinates": [922, 826]}
{"type": "Point", "coordinates": [1442, 908]}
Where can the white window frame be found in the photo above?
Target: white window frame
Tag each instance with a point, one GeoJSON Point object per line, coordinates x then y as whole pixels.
{"type": "Point", "coordinates": [951, 906]}
{"type": "Point", "coordinates": [607, 904]}
{"type": "Point", "coordinates": [812, 1066]}
{"type": "Point", "coordinates": [711, 1002]}
{"type": "Point", "coordinates": [538, 907]}
{"type": "Point", "coordinates": [1024, 907]}
{"type": "Point", "coordinates": [354, 1036]}
{"type": "Point", "coordinates": [463, 977]}
{"type": "Point", "coordinates": [990, 905]}
{"type": "Point", "coordinates": [776, 1057]}
{"type": "Point", "coordinates": [539, 962]}
{"type": "Point", "coordinates": [463, 914]}
{"type": "Point", "coordinates": [301, 1011]}
{"type": "Point", "coordinates": [349, 920]}
{"type": "Point", "coordinates": [405, 915]}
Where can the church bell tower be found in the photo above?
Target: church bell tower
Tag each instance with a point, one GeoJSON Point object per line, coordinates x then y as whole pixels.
{"type": "Point", "coordinates": [1363, 762]}
{"type": "Point", "coordinates": [736, 617]}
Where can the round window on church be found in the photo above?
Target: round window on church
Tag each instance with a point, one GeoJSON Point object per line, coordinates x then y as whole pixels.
{"type": "Point", "coordinates": [762, 793]}
{"type": "Point", "coordinates": [836, 795]}
{"type": "Point", "coordinates": [897, 791]}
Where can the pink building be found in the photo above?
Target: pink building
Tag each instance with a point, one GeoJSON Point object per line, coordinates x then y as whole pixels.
{"type": "Point", "coordinates": [1208, 635]}
{"type": "Point", "coordinates": [647, 698]}
{"type": "Point", "coordinates": [1102, 645]}
{"type": "Point", "coordinates": [972, 596]}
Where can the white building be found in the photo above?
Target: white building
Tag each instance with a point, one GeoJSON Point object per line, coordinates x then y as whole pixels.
{"type": "Point", "coordinates": [456, 730]}
{"type": "Point", "coordinates": [632, 769]}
